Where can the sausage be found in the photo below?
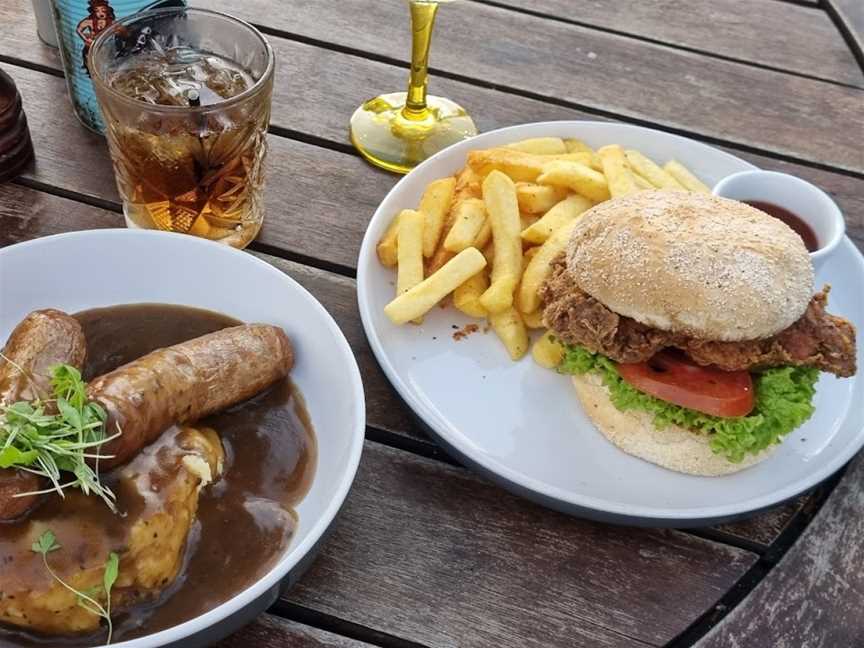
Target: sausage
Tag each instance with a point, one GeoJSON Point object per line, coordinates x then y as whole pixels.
{"type": "Point", "coordinates": [186, 382]}
{"type": "Point", "coordinates": [18, 481]}
{"type": "Point", "coordinates": [43, 339]}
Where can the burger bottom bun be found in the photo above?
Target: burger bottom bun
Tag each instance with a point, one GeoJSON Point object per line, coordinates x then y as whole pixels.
{"type": "Point", "coordinates": [673, 447]}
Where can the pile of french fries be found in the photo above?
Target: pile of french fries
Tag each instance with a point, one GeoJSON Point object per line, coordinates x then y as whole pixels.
{"type": "Point", "coordinates": [488, 235]}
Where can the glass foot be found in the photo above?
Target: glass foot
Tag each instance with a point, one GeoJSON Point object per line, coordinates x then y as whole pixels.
{"type": "Point", "coordinates": [398, 141]}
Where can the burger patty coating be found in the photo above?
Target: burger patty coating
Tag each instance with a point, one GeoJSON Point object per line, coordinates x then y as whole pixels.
{"type": "Point", "coordinates": [817, 339]}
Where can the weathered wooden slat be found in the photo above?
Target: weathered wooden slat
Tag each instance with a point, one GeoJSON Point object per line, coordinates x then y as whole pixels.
{"type": "Point", "coordinates": [304, 211]}
{"type": "Point", "coordinates": [815, 595]}
{"type": "Point", "coordinates": [269, 631]}
{"type": "Point", "coordinates": [766, 527]}
{"type": "Point", "coordinates": [765, 33]}
{"type": "Point", "coordinates": [20, 38]}
{"type": "Point", "coordinates": [432, 554]}
{"type": "Point", "coordinates": [26, 214]}
{"type": "Point", "coordinates": [638, 80]}
{"type": "Point", "coordinates": [731, 101]}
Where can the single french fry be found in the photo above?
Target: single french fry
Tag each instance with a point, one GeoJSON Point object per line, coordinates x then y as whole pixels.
{"type": "Point", "coordinates": [420, 299]}
{"type": "Point", "coordinates": [528, 297]}
{"type": "Point", "coordinates": [547, 352]}
{"type": "Point", "coordinates": [468, 218]}
{"type": "Point", "coordinates": [651, 171]}
{"type": "Point", "coordinates": [588, 159]}
{"type": "Point", "coordinates": [567, 210]}
{"type": "Point", "coordinates": [534, 320]}
{"type": "Point", "coordinates": [502, 208]}
{"type": "Point", "coordinates": [409, 271]}
{"type": "Point", "coordinates": [510, 328]}
{"type": "Point", "coordinates": [642, 183]}
{"type": "Point", "coordinates": [538, 199]}
{"type": "Point", "coordinates": [467, 186]}
{"type": "Point", "coordinates": [484, 235]}
{"type": "Point", "coordinates": [518, 165]}
{"type": "Point", "coordinates": [540, 145]}
{"type": "Point", "coordinates": [410, 250]}
{"type": "Point", "coordinates": [489, 253]}
{"type": "Point", "coordinates": [466, 297]}
{"type": "Point", "coordinates": [618, 177]}
{"type": "Point", "coordinates": [500, 293]}
{"type": "Point", "coordinates": [435, 205]}
{"type": "Point", "coordinates": [575, 145]}
{"type": "Point", "coordinates": [442, 255]}
{"type": "Point", "coordinates": [685, 177]}
{"type": "Point", "coordinates": [386, 247]}
{"type": "Point", "coordinates": [580, 178]}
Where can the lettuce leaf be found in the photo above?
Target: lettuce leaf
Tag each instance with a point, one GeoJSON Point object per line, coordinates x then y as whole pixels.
{"type": "Point", "coordinates": [784, 398]}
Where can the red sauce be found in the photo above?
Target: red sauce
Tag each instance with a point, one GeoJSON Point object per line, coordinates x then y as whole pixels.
{"type": "Point", "coordinates": [801, 228]}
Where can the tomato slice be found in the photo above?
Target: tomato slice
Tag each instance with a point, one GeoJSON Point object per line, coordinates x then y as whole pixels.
{"type": "Point", "coordinates": [674, 378]}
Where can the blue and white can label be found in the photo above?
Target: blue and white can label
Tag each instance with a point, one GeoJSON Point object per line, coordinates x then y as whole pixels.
{"type": "Point", "coordinates": [78, 24]}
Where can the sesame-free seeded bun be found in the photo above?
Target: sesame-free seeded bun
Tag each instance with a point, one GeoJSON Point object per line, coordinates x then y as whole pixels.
{"type": "Point", "coordinates": [692, 263]}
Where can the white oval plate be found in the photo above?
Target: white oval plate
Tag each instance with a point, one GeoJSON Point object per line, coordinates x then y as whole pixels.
{"type": "Point", "coordinates": [522, 426]}
{"type": "Point", "coordinates": [83, 270]}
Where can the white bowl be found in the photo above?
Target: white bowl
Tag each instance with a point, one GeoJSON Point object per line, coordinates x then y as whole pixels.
{"type": "Point", "coordinates": [805, 200]}
{"type": "Point", "coordinates": [83, 270]}
{"type": "Point", "coordinates": [522, 426]}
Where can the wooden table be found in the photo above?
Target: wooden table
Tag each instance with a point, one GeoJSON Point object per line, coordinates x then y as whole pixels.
{"type": "Point", "coordinates": [425, 553]}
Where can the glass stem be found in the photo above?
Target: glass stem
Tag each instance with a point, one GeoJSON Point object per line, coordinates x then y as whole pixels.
{"type": "Point", "coordinates": [422, 23]}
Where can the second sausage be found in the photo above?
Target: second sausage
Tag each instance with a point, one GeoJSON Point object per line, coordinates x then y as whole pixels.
{"type": "Point", "coordinates": [186, 382]}
{"type": "Point", "coordinates": [41, 340]}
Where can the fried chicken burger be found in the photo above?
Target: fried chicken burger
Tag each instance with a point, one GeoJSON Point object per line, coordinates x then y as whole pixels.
{"type": "Point", "coordinates": [691, 328]}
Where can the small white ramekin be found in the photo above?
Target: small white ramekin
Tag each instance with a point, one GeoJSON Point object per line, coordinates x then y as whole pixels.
{"type": "Point", "coordinates": [807, 201]}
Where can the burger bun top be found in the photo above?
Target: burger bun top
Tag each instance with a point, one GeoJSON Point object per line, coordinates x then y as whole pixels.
{"type": "Point", "coordinates": [692, 263]}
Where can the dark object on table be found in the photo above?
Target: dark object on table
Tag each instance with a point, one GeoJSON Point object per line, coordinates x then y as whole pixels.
{"type": "Point", "coordinates": [16, 149]}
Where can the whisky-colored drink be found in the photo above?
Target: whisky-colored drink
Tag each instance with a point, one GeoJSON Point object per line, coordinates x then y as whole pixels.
{"type": "Point", "coordinates": [187, 130]}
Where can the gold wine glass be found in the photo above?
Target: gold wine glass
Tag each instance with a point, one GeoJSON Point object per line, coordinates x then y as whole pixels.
{"type": "Point", "coordinates": [399, 130]}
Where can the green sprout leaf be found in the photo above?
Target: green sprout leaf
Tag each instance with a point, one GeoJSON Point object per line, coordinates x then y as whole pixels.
{"type": "Point", "coordinates": [70, 414]}
{"type": "Point", "coordinates": [12, 456]}
{"type": "Point", "coordinates": [112, 569]}
{"type": "Point", "coordinates": [45, 543]}
{"type": "Point", "coordinates": [87, 599]}
{"type": "Point", "coordinates": [59, 447]}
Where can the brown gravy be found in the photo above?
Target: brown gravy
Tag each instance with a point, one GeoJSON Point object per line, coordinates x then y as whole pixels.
{"type": "Point", "coordinates": [244, 520]}
{"type": "Point", "coordinates": [797, 225]}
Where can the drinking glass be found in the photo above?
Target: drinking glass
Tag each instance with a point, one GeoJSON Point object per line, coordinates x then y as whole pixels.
{"type": "Point", "coordinates": [399, 130]}
{"type": "Point", "coordinates": [185, 95]}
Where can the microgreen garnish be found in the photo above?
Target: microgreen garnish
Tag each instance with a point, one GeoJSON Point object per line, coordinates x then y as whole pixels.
{"type": "Point", "coordinates": [46, 543]}
{"type": "Point", "coordinates": [50, 444]}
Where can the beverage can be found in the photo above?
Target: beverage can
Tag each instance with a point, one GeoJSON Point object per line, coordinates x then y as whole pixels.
{"type": "Point", "coordinates": [78, 24]}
